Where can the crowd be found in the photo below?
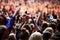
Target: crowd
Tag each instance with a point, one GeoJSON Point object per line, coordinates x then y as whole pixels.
{"type": "Point", "coordinates": [29, 20]}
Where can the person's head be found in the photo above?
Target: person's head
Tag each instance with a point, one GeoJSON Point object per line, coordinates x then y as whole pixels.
{"type": "Point", "coordinates": [44, 25]}
{"type": "Point", "coordinates": [54, 15]}
{"type": "Point", "coordinates": [48, 29]}
{"type": "Point", "coordinates": [58, 25]}
{"type": "Point", "coordinates": [46, 36]}
{"type": "Point", "coordinates": [53, 25]}
{"type": "Point", "coordinates": [3, 32]}
{"type": "Point", "coordinates": [33, 28]}
{"type": "Point", "coordinates": [28, 27]}
{"type": "Point", "coordinates": [12, 36]}
{"type": "Point", "coordinates": [3, 20]}
{"type": "Point", "coordinates": [36, 36]}
{"type": "Point", "coordinates": [23, 35]}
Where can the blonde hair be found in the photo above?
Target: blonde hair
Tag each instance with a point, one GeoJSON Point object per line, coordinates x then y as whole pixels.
{"type": "Point", "coordinates": [36, 36]}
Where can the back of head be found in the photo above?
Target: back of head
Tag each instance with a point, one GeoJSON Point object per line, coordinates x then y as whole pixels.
{"type": "Point", "coordinates": [24, 34]}
{"type": "Point", "coordinates": [48, 29]}
{"type": "Point", "coordinates": [3, 20]}
{"type": "Point", "coordinates": [46, 36]}
{"type": "Point", "coordinates": [44, 25]}
{"type": "Point", "coordinates": [58, 26]}
{"type": "Point", "coordinates": [2, 30]}
{"type": "Point", "coordinates": [28, 27]}
{"type": "Point", "coordinates": [36, 36]}
{"type": "Point", "coordinates": [53, 25]}
{"type": "Point", "coordinates": [3, 34]}
{"type": "Point", "coordinates": [12, 36]}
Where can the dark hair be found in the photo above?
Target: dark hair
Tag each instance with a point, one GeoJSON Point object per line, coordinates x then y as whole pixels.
{"type": "Point", "coordinates": [28, 28]}
{"type": "Point", "coordinates": [4, 10]}
{"type": "Point", "coordinates": [44, 25]}
{"type": "Point", "coordinates": [58, 26]}
{"type": "Point", "coordinates": [46, 36]}
{"type": "Point", "coordinates": [53, 25]}
{"type": "Point", "coordinates": [23, 35]}
{"type": "Point", "coordinates": [25, 12]}
{"type": "Point", "coordinates": [54, 15]}
{"type": "Point", "coordinates": [2, 30]}
{"type": "Point", "coordinates": [11, 37]}
{"type": "Point", "coordinates": [3, 20]}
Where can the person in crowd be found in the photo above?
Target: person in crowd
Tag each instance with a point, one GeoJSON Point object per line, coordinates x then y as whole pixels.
{"type": "Point", "coordinates": [23, 34]}
{"type": "Point", "coordinates": [3, 29]}
{"type": "Point", "coordinates": [46, 35]}
{"type": "Point", "coordinates": [36, 36]}
{"type": "Point", "coordinates": [12, 36]}
{"type": "Point", "coordinates": [6, 26]}
{"type": "Point", "coordinates": [29, 20]}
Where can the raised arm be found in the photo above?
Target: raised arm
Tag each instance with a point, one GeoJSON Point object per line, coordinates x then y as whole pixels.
{"type": "Point", "coordinates": [11, 21]}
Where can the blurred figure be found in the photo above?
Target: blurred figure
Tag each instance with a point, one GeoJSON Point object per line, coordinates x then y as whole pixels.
{"type": "Point", "coordinates": [12, 36]}
{"type": "Point", "coordinates": [3, 29]}
{"type": "Point", "coordinates": [47, 33]}
{"type": "Point", "coordinates": [48, 29]}
{"type": "Point", "coordinates": [36, 36]}
{"type": "Point", "coordinates": [46, 36]}
{"type": "Point", "coordinates": [23, 34]}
